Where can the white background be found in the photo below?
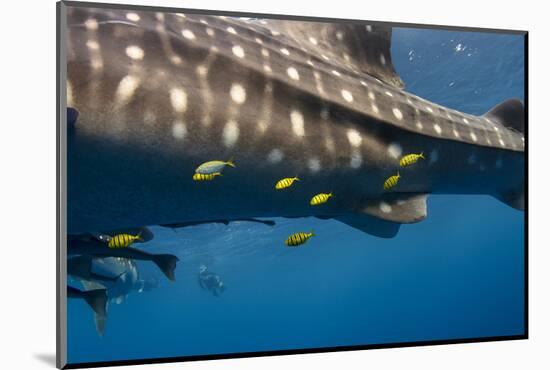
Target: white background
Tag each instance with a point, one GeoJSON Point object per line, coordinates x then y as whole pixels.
{"type": "Point", "coordinates": [27, 203]}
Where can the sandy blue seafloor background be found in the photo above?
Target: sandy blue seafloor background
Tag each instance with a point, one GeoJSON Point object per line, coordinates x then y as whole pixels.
{"type": "Point", "coordinates": [458, 274]}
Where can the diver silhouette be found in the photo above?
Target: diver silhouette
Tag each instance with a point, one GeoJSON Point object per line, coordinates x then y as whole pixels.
{"type": "Point", "coordinates": [210, 281]}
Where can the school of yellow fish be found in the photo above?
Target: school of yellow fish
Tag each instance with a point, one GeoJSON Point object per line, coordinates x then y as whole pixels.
{"type": "Point", "coordinates": [210, 170]}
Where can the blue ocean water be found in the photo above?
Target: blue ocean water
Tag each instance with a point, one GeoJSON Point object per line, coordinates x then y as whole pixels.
{"type": "Point", "coordinates": [458, 274]}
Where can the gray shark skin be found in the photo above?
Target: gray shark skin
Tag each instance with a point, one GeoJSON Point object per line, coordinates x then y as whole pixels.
{"type": "Point", "coordinates": [157, 94]}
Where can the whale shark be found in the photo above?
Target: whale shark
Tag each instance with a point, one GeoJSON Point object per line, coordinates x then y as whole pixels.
{"type": "Point", "coordinates": [151, 95]}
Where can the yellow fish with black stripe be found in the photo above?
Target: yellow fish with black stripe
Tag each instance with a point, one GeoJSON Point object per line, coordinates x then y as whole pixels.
{"type": "Point", "coordinates": [297, 239]}
{"type": "Point", "coordinates": [320, 198]}
{"type": "Point", "coordinates": [391, 181]}
{"type": "Point", "coordinates": [205, 176]}
{"type": "Point", "coordinates": [123, 240]}
{"type": "Point", "coordinates": [410, 159]}
{"type": "Point", "coordinates": [286, 182]}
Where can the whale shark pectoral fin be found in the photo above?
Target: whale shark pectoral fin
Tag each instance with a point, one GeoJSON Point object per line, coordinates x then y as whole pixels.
{"type": "Point", "coordinates": [370, 225]}
{"type": "Point", "coordinates": [510, 113]}
{"type": "Point", "coordinates": [398, 207]}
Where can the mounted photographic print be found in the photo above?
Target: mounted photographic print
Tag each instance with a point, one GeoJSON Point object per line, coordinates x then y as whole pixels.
{"type": "Point", "coordinates": [235, 185]}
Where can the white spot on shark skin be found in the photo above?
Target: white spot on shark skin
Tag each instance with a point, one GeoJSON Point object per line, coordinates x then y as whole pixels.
{"type": "Point", "coordinates": [340, 35]}
{"type": "Point", "coordinates": [178, 98]}
{"type": "Point", "coordinates": [275, 156]}
{"type": "Point", "coordinates": [262, 126]}
{"type": "Point", "coordinates": [382, 59]}
{"type": "Point", "coordinates": [371, 96]}
{"type": "Point", "coordinates": [465, 121]}
{"type": "Point", "coordinates": [126, 88]}
{"type": "Point", "coordinates": [324, 57]}
{"type": "Point", "coordinates": [419, 125]}
{"type": "Point", "coordinates": [395, 150]}
{"type": "Point", "coordinates": [384, 207]}
{"type": "Point", "coordinates": [363, 83]}
{"type": "Point", "coordinates": [472, 158]}
{"type": "Point", "coordinates": [188, 34]}
{"type": "Point", "coordinates": [231, 30]}
{"type": "Point", "coordinates": [336, 73]}
{"type": "Point", "coordinates": [309, 62]}
{"type": "Point", "coordinates": [397, 113]}
{"type": "Point", "coordinates": [135, 52]}
{"type": "Point", "coordinates": [69, 93]}
{"type": "Point", "coordinates": [374, 108]}
{"type": "Point", "coordinates": [91, 24]}
{"type": "Point", "coordinates": [230, 133]}
{"type": "Point", "coordinates": [265, 52]}
{"type": "Point", "coordinates": [473, 136]}
{"type": "Point", "coordinates": [92, 45]}
{"type": "Point", "coordinates": [159, 16]}
{"type": "Point", "coordinates": [210, 32]}
{"type": "Point", "coordinates": [275, 33]}
{"type": "Point", "coordinates": [181, 15]}
{"type": "Point", "coordinates": [237, 93]}
{"type": "Point", "coordinates": [267, 68]}
{"type": "Point", "coordinates": [314, 164]}
{"type": "Point", "coordinates": [429, 109]}
{"type": "Point", "coordinates": [149, 117]}
{"type": "Point", "coordinates": [285, 51]}
{"type": "Point", "coordinates": [354, 138]}
{"type": "Point", "coordinates": [202, 70]}
{"type": "Point", "coordinates": [97, 63]}
{"type": "Point", "coordinates": [501, 142]}
{"type": "Point", "coordinates": [203, 21]}
{"type": "Point", "coordinates": [434, 156]}
{"type": "Point", "coordinates": [258, 40]}
{"type": "Point", "coordinates": [313, 40]}
{"type": "Point", "coordinates": [132, 17]}
{"type": "Point", "coordinates": [318, 82]}
{"type": "Point", "coordinates": [368, 28]}
{"type": "Point", "coordinates": [293, 73]}
{"type": "Point", "coordinates": [347, 96]}
{"type": "Point", "coordinates": [356, 159]}
{"type": "Point", "coordinates": [297, 121]}
{"type": "Point", "coordinates": [175, 59]}
{"type": "Point", "coordinates": [238, 51]}
{"type": "Point", "coordinates": [437, 129]}
{"type": "Point", "coordinates": [456, 133]}
{"type": "Point", "coordinates": [179, 130]}
{"type": "Point", "coordinates": [329, 144]}
{"type": "Point", "coordinates": [388, 93]}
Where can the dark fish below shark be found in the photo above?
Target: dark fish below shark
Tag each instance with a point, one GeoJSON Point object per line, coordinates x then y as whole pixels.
{"type": "Point", "coordinates": [153, 95]}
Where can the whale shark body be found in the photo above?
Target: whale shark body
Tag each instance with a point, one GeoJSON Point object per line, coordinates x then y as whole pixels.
{"type": "Point", "coordinates": [151, 96]}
